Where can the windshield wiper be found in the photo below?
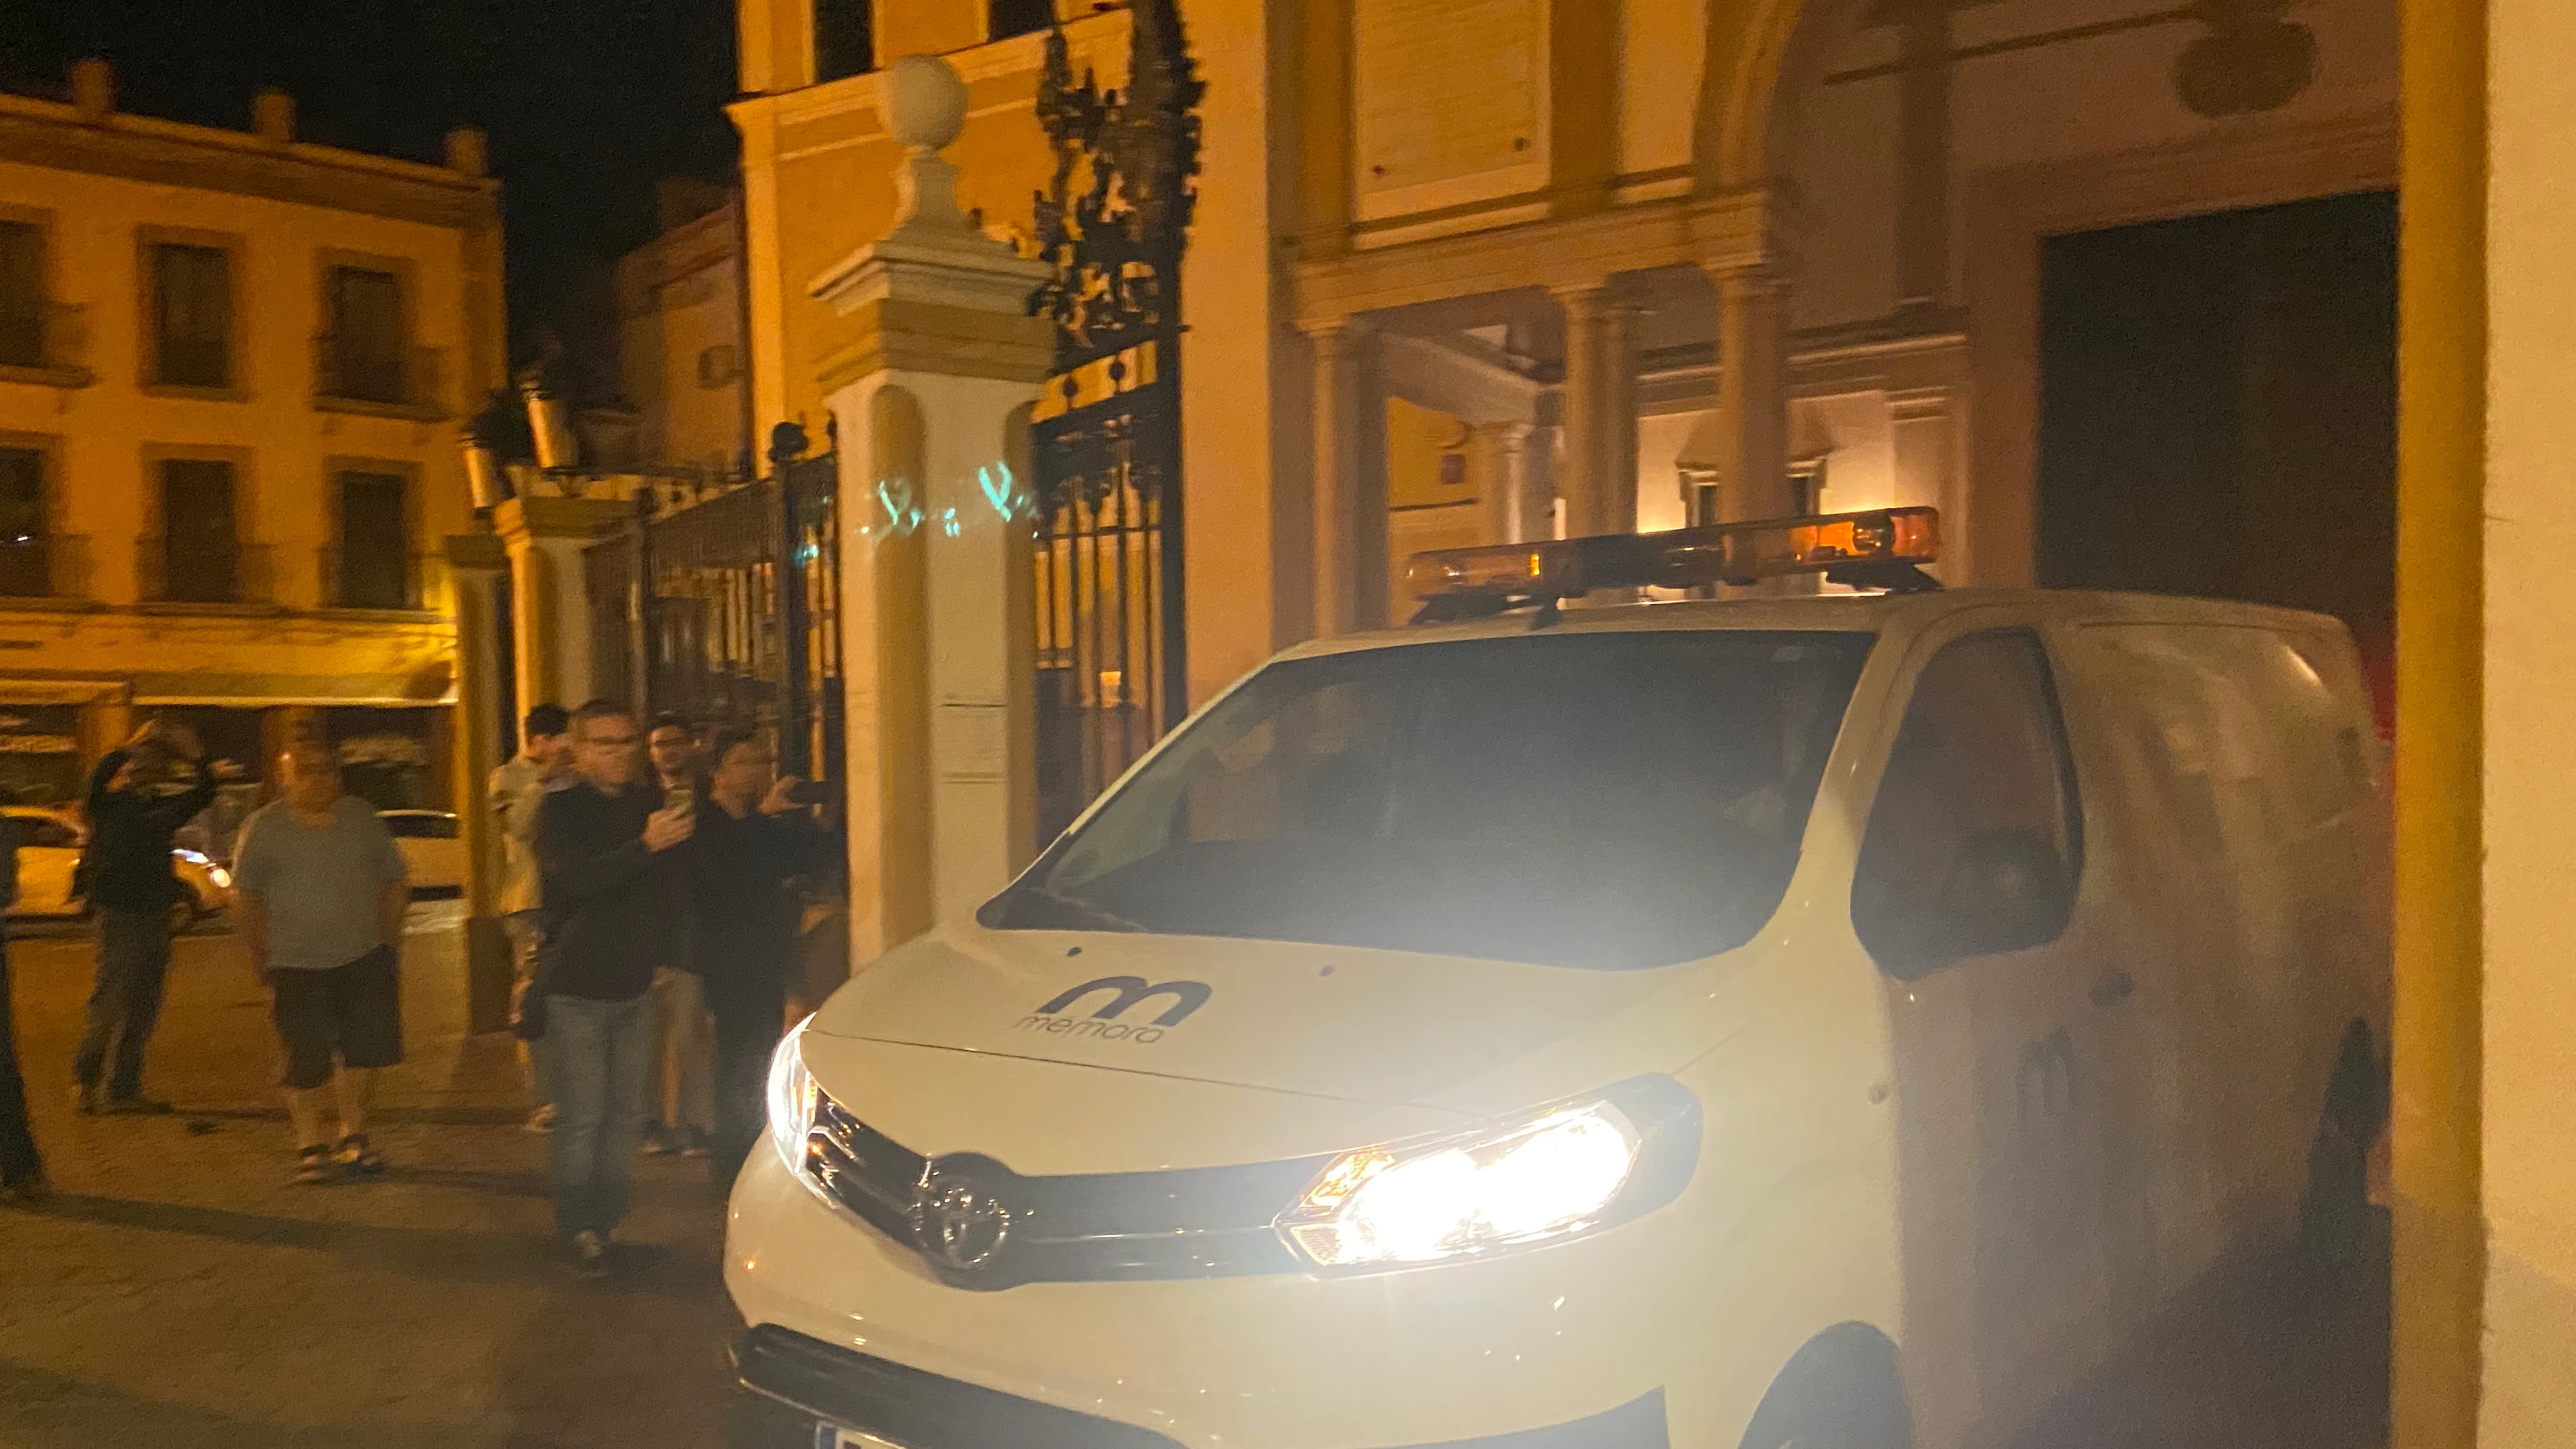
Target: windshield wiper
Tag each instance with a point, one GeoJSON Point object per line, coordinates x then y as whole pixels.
{"type": "Point", "coordinates": [1084, 910]}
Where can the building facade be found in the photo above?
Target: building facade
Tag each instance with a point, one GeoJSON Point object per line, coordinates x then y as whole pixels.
{"type": "Point", "coordinates": [230, 368]}
{"type": "Point", "coordinates": [2116, 285]}
{"type": "Point", "coordinates": [680, 335]}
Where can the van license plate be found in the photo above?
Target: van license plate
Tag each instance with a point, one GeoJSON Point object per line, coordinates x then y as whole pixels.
{"type": "Point", "coordinates": [828, 1436]}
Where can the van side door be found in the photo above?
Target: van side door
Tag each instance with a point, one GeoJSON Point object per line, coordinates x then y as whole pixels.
{"type": "Point", "coordinates": [1972, 891]}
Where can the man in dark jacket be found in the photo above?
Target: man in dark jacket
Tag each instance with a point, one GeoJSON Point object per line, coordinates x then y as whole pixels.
{"type": "Point", "coordinates": [750, 842]}
{"type": "Point", "coordinates": [611, 898]}
{"type": "Point", "coordinates": [138, 798]}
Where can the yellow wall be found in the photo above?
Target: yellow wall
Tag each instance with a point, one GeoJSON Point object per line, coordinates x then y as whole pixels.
{"type": "Point", "coordinates": [271, 203]}
{"type": "Point", "coordinates": [2530, 1005]}
{"type": "Point", "coordinates": [680, 299]}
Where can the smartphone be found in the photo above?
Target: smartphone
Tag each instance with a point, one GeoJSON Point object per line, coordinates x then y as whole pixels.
{"type": "Point", "coordinates": [810, 792]}
{"type": "Point", "coordinates": [683, 798]}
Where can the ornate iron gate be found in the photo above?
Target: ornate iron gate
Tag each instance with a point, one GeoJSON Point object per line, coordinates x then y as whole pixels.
{"type": "Point", "coordinates": [1111, 651]}
{"type": "Point", "coordinates": [721, 602]}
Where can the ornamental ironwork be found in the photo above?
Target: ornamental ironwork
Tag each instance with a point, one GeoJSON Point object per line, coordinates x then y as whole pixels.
{"type": "Point", "coordinates": [1106, 433]}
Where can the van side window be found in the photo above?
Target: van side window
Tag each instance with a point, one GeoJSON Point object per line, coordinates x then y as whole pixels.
{"type": "Point", "coordinates": [1975, 841]}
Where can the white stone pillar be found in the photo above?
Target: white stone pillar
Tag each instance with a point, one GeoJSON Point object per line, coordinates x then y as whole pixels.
{"type": "Point", "coordinates": [1752, 392]}
{"type": "Point", "coordinates": [476, 564]}
{"type": "Point", "coordinates": [1351, 565]}
{"type": "Point", "coordinates": [941, 365]}
{"type": "Point", "coordinates": [1506, 485]}
{"type": "Point", "coordinates": [550, 602]}
{"type": "Point", "coordinates": [1599, 481]}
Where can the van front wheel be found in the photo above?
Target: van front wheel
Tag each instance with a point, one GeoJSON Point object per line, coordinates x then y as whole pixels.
{"type": "Point", "coordinates": [1840, 1392]}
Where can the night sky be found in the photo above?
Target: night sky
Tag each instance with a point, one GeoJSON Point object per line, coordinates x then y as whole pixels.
{"type": "Point", "coordinates": [588, 102]}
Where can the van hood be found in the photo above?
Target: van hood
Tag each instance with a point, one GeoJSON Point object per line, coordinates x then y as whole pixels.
{"type": "Point", "coordinates": [1381, 1027]}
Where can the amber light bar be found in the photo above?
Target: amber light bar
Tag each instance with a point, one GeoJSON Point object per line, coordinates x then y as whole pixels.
{"type": "Point", "coordinates": [1883, 548]}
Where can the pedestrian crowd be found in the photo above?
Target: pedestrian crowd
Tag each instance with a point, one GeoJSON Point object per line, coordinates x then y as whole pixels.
{"type": "Point", "coordinates": [646, 892]}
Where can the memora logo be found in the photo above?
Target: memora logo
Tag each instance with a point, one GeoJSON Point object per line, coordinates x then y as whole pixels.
{"type": "Point", "coordinates": [1060, 1017]}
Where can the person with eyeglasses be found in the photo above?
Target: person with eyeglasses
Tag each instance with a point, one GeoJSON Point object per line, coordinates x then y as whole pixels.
{"type": "Point", "coordinates": [611, 895]}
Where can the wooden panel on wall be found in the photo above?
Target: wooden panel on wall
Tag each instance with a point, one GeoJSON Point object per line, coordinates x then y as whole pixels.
{"type": "Point", "coordinates": [1452, 102]}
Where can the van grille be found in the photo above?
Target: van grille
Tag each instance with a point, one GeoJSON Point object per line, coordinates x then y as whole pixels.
{"type": "Point", "coordinates": [1209, 1222]}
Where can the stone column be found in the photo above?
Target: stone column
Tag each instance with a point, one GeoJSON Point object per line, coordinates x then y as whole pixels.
{"type": "Point", "coordinates": [476, 564]}
{"type": "Point", "coordinates": [1506, 485]}
{"type": "Point", "coordinates": [550, 613]}
{"type": "Point", "coordinates": [931, 393]}
{"type": "Point", "coordinates": [1599, 482]}
{"type": "Point", "coordinates": [1752, 392]}
{"type": "Point", "coordinates": [1351, 564]}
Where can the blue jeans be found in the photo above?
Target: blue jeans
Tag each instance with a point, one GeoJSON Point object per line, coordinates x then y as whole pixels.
{"type": "Point", "coordinates": [595, 1057]}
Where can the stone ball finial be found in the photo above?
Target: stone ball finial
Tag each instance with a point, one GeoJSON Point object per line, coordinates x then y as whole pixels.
{"type": "Point", "coordinates": [925, 102]}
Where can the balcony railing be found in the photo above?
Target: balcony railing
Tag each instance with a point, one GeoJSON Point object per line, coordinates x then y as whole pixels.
{"type": "Point", "coordinates": [44, 566]}
{"type": "Point", "coordinates": [198, 574]}
{"type": "Point", "coordinates": [415, 583]}
{"type": "Point", "coordinates": [49, 337]}
{"type": "Point", "coordinates": [367, 379]}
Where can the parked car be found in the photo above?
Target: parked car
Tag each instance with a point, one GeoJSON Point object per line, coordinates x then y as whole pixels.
{"type": "Point", "coordinates": [432, 850]}
{"type": "Point", "coordinates": [49, 846]}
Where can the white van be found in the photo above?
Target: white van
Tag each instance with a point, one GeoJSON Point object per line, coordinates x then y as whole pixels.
{"type": "Point", "coordinates": [1832, 1021]}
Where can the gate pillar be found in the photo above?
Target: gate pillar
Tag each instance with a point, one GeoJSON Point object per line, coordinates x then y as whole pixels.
{"type": "Point", "coordinates": [929, 387]}
{"type": "Point", "coordinates": [550, 607]}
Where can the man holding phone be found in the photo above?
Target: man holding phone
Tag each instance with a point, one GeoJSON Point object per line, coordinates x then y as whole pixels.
{"type": "Point", "coordinates": [679, 1101]}
{"type": "Point", "coordinates": [611, 892]}
{"type": "Point", "coordinates": [753, 837]}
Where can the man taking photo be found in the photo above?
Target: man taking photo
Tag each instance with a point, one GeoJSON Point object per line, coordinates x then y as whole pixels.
{"type": "Point", "coordinates": [323, 893]}
{"type": "Point", "coordinates": [517, 787]}
{"type": "Point", "coordinates": [751, 840]}
{"type": "Point", "coordinates": [611, 898]}
{"type": "Point", "coordinates": [138, 798]}
{"type": "Point", "coordinates": [679, 1109]}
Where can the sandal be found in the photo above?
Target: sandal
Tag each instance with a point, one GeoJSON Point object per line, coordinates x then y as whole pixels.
{"type": "Point", "coordinates": [314, 1164]}
{"type": "Point", "coordinates": [356, 1156]}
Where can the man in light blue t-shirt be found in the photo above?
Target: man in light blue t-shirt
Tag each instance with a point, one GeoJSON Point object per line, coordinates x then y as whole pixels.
{"type": "Point", "coordinates": [322, 900]}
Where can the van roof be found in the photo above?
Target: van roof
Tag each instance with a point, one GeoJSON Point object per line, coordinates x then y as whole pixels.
{"type": "Point", "coordinates": [1872, 613]}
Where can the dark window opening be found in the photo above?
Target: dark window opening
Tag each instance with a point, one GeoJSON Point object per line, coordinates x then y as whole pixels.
{"type": "Point", "coordinates": [375, 543]}
{"type": "Point", "coordinates": [2218, 412]}
{"type": "Point", "coordinates": [364, 350]}
{"type": "Point", "coordinates": [200, 544]}
{"type": "Point", "coordinates": [192, 311]}
{"type": "Point", "coordinates": [1006, 18]}
{"type": "Point", "coordinates": [22, 294]}
{"type": "Point", "coordinates": [23, 541]}
{"type": "Point", "coordinates": [845, 42]}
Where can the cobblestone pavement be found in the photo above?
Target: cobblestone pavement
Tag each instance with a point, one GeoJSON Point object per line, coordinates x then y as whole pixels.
{"type": "Point", "coordinates": [181, 1290]}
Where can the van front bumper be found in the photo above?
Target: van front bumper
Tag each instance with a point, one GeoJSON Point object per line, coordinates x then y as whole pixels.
{"type": "Point", "coordinates": [818, 1385]}
{"type": "Point", "coordinates": [1584, 1336]}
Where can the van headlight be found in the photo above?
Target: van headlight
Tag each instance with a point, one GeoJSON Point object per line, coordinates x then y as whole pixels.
{"type": "Point", "coordinates": [1553, 1174]}
{"type": "Point", "coordinates": [792, 1096]}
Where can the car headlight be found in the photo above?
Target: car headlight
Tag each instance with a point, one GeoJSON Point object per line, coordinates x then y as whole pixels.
{"type": "Point", "coordinates": [1553, 1174]}
{"type": "Point", "coordinates": [792, 1097]}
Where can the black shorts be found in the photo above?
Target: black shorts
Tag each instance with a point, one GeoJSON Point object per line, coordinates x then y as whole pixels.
{"type": "Point", "coordinates": [355, 1010]}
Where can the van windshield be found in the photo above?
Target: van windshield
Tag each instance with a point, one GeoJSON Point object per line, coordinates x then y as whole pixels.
{"type": "Point", "coordinates": [1600, 800]}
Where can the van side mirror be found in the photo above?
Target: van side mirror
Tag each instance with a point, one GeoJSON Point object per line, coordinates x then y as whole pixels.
{"type": "Point", "coordinates": [2009, 890]}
